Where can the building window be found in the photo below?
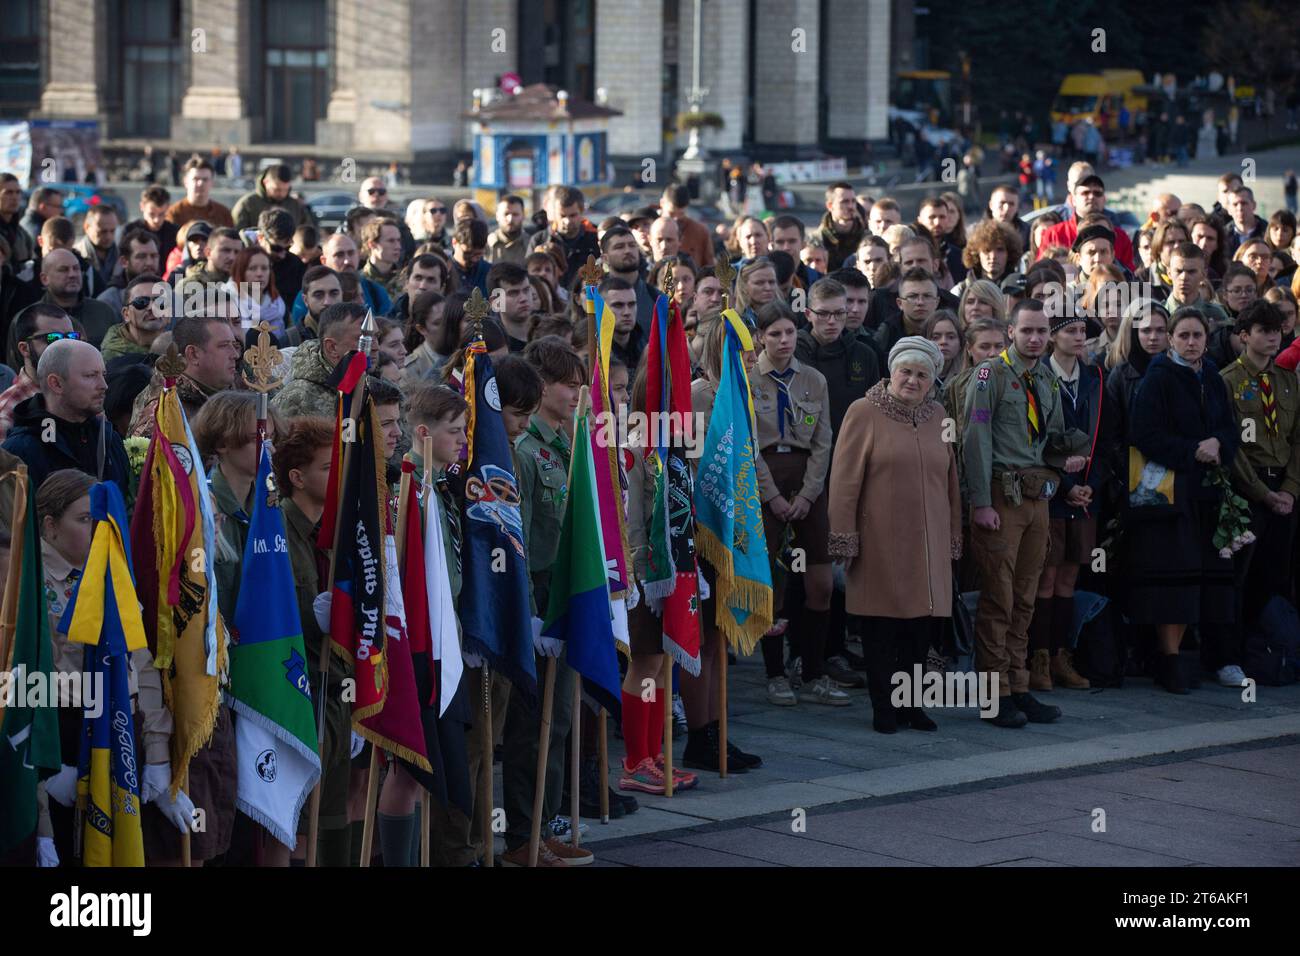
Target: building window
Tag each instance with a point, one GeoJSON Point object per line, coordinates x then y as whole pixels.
{"type": "Point", "coordinates": [570, 46]}
{"type": "Point", "coordinates": [20, 58]}
{"type": "Point", "coordinates": [150, 67]}
{"type": "Point", "coordinates": [297, 68]}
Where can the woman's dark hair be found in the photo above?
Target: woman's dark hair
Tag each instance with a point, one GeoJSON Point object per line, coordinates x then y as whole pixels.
{"type": "Point", "coordinates": [452, 316]}
{"type": "Point", "coordinates": [518, 383]}
{"type": "Point", "coordinates": [776, 310]}
{"type": "Point", "coordinates": [420, 308]}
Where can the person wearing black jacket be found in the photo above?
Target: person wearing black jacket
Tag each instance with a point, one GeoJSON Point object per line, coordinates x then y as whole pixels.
{"type": "Point", "coordinates": [1072, 513]}
{"type": "Point", "coordinates": [1143, 334]}
{"type": "Point", "coordinates": [1182, 424]}
{"type": "Point", "coordinates": [71, 378]}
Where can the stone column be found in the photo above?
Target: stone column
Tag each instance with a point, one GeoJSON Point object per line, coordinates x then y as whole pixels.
{"type": "Point", "coordinates": [724, 27]}
{"type": "Point", "coordinates": [77, 60]}
{"type": "Point", "coordinates": [786, 72]}
{"type": "Point", "coordinates": [629, 65]}
{"type": "Point", "coordinates": [335, 130]}
{"type": "Point", "coordinates": [440, 54]}
{"type": "Point", "coordinates": [215, 108]}
{"type": "Point", "coordinates": [858, 44]}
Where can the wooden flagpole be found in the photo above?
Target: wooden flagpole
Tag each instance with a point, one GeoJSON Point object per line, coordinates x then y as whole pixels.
{"type": "Point", "coordinates": [358, 402]}
{"type": "Point", "coordinates": [426, 805]}
{"type": "Point", "coordinates": [666, 695]}
{"type": "Point", "coordinates": [485, 766]}
{"type": "Point", "coordinates": [722, 703]}
{"type": "Point", "coordinates": [9, 600]}
{"type": "Point", "coordinates": [603, 748]}
{"type": "Point", "coordinates": [543, 751]}
{"type": "Point", "coordinates": [575, 757]}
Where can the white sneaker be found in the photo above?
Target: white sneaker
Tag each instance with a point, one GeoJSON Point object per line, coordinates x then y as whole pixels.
{"type": "Point", "coordinates": [562, 829]}
{"type": "Point", "coordinates": [825, 691]}
{"type": "Point", "coordinates": [780, 693]}
{"type": "Point", "coordinates": [1231, 676]}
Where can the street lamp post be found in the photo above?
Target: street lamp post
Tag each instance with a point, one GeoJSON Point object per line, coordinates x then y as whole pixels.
{"type": "Point", "coordinates": [694, 151]}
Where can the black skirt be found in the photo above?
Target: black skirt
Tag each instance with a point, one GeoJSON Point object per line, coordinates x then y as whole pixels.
{"type": "Point", "coordinates": [1174, 572]}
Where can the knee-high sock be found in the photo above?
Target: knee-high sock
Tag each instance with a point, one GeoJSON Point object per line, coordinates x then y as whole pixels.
{"type": "Point", "coordinates": [1062, 622]}
{"type": "Point", "coordinates": [635, 714]}
{"type": "Point", "coordinates": [654, 722]}
{"type": "Point", "coordinates": [396, 834]}
{"type": "Point", "coordinates": [1040, 626]}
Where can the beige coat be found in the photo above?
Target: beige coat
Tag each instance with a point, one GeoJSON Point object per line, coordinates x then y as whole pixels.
{"type": "Point", "coordinates": [895, 510]}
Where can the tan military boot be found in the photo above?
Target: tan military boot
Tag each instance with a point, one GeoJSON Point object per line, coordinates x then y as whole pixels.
{"type": "Point", "coordinates": [1040, 670]}
{"type": "Point", "coordinates": [1063, 672]}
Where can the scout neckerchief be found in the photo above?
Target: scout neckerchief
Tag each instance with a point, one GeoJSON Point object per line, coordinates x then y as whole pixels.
{"type": "Point", "coordinates": [783, 405]}
{"type": "Point", "coordinates": [1267, 400]}
{"type": "Point", "coordinates": [1031, 395]}
{"type": "Point", "coordinates": [557, 444]}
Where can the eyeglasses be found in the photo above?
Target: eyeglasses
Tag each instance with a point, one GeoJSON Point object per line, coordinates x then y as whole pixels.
{"type": "Point", "coordinates": [840, 316]}
{"type": "Point", "coordinates": [920, 297]}
{"type": "Point", "coordinates": [143, 301]}
{"type": "Point", "coordinates": [376, 191]}
{"type": "Point", "coordinates": [278, 249]}
{"type": "Point", "coordinates": [51, 337]}
{"type": "Point", "coordinates": [438, 209]}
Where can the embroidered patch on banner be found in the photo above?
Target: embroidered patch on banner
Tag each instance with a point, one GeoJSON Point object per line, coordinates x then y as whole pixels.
{"type": "Point", "coordinates": [983, 373]}
{"type": "Point", "coordinates": [979, 416]}
{"type": "Point", "coordinates": [982, 386]}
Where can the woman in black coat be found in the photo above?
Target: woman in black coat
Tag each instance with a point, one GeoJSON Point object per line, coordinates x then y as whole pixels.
{"type": "Point", "coordinates": [1181, 422]}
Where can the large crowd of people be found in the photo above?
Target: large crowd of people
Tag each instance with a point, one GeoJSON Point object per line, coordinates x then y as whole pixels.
{"type": "Point", "coordinates": [1027, 410]}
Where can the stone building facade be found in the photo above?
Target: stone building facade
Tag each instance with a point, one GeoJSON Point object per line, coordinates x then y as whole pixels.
{"type": "Point", "coordinates": [388, 80]}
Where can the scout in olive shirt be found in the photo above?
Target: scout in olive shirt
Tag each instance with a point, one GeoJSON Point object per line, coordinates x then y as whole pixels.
{"type": "Point", "coordinates": [1015, 425]}
{"type": "Point", "coordinates": [1266, 401]}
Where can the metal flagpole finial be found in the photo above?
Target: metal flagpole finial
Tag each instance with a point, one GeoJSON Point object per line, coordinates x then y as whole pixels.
{"type": "Point", "coordinates": [592, 272]}
{"type": "Point", "coordinates": [726, 278]}
{"type": "Point", "coordinates": [670, 282]}
{"type": "Point", "coordinates": [171, 365]}
{"type": "Point", "coordinates": [369, 335]}
{"type": "Point", "coordinates": [476, 310]}
{"type": "Point", "coordinates": [263, 358]}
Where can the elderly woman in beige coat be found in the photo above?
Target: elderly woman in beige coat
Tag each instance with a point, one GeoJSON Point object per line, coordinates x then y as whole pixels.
{"type": "Point", "coordinates": [895, 520]}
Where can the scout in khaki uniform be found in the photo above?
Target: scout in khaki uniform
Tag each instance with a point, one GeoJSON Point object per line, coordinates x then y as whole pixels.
{"type": "Point", "coordinates": [1266, 400]}
{"type": "Point", "coordinates": [1015, 426]}
{"type": "Point", "coordinates": [542, 456]}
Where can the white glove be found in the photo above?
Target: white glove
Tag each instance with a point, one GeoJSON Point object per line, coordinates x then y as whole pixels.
{"type": "Point", "coordinates": [320, 609]}
{"type": "Point", "coordinates": [157, 779]}
{"type": "Point", "coordinates": [46, 855]}
{"type": "Point", "coordinates": [545, 646]}
{"type": "Point", "coordinates": [62, 787]}
{"type": "Point", "coordinates": [704, 586]}
{"type": "Point", "coordinates": [358, 743]}
{"type": "Point", "coordinates": [179, 811]}
{"type": "Point", "coordinates": [472, 661]}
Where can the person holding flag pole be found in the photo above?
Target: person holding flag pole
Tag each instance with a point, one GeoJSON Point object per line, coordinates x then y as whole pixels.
{"type": "Point", "coordinates": [270, 693]}
{"type": "Point", "coordinates": [173, 545]}
{"type": "Point", "coordinates": [355, 499]}
{"type": "Point", "coordinates": [29, 735]}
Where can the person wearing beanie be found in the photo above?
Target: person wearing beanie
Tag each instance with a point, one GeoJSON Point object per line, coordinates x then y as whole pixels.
{"type": "Point", "coordinates": [1015, 440]}
{"type": "Point", "coordinates": [1094, 247]}
{"type": "Point", "coordinates": [1072, 514]}
{"type": "Point", "coordinates": [893, 465]}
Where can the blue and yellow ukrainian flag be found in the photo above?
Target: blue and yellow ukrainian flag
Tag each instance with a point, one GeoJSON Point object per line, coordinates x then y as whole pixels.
{"type": "Point", "coordinates": [104, 615]}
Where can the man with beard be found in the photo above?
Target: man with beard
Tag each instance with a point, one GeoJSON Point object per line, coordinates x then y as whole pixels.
{"type": "Point", "coordinates": [623, 260]}
{"type": "Point", "coordinates": [99, 247]}
{"type": "Point", "coordinates": [145, 316]}
{"type": "Point", "coordinates": [211, 350]}
{"type": "Point", "coordinates": [507, 243]}
{"type": "Point", "coordinates": [842, 226]}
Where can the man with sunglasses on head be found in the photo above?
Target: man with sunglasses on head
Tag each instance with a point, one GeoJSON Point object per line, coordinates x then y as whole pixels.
{"type": "Point", "coordinates": [146, 313]}
{"type": "Point", "coordinates": [31, 334]}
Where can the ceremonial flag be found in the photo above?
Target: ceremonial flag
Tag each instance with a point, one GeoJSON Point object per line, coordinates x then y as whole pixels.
{"type": "Point", "coordinates": [173, 542]}
{"type": "Point", "coordinates": [344, 379]}
{"type": "Point", "coordinates": [579, 613]}
{"type": "Point", "coordinates": [104, 615]}
{"type": "Point", "coordinates": [275, 732]}
{"type": "Point", "coordinates": [728, 510]}
{"type": "Point", "coordinates": [435, 646]}
{"type": "Point", "coordinates": [672, 580]}
{"type": "Point", "coordinates": [29, 735]}
{"type": "Point", "coordinates": [611, 479]}
{"type": "Point", "coordinates": [495, 620]}
{"type": "Point", "coordinates": [359, 607]}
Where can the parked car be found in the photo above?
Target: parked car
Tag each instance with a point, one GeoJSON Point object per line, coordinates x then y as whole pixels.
{"type": "Point", "coordinates": [330, 208]}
